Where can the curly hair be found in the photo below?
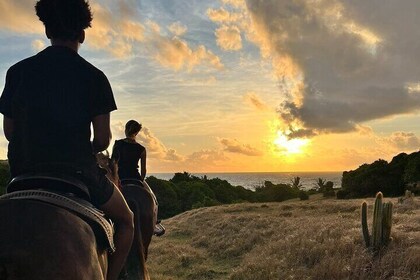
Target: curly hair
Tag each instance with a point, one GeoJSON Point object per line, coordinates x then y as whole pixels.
{"type": "Point", "coordinates": [132, 127]}
{"type": "Point", "coordinates": [64, 19]}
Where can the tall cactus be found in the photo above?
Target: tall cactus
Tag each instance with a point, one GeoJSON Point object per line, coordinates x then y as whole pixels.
{"type": "Point", "coordinates": [382, 223]}
{"type": "Point", "coordinates": [377, 221]}
{"type": "Point", "coordinates": [387, 222]}
{"type": "Point", "coordinates": [365, 228]}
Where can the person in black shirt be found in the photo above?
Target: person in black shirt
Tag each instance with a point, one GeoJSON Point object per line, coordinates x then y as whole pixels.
{"type": "Point", "coordinates": [127, 152]}
{"type": "Point", "coordinates": [49, 103]}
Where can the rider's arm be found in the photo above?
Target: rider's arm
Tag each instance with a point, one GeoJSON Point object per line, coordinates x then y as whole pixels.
{"type": "Point", "coordinates": [143, 165]}
{"type": "Point", "coordinates": [101, 132]}
{"type": "Point", "coordinates": [8, 127]}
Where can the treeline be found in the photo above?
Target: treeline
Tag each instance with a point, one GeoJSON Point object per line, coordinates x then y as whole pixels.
{"type": "Point", "coordinates": [392, 179]}
{"type": "Point", "coordinates": [185, 192]}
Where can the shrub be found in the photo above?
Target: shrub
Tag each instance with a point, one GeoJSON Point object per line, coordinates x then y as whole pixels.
{"type": "Point", "coordinates": [303, 195]}
{"type": "Point", "coordinates": [343, 194]}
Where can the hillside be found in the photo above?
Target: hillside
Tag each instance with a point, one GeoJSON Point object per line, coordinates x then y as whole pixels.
{"type": "Point", "coordinates": [314, 239]}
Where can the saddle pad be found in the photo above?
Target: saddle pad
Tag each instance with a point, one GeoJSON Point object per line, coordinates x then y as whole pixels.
{"type": "Point", "coordinates": [90, 213]}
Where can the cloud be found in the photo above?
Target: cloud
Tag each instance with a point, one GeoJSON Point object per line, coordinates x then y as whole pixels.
{"type": "Point", "coordinates": [222, 15]}
{"type": "Point", "coordinates": [233, 146]}
{"type": "Point", "coordinates": [113, 31]}
{"type": "Point", "coordinates": [364, 130]}
{"type": "Point", "coordinates": [348, 67]}
{"type": "Point", "coordinates": [155, 148]}
{"type": "Point", "coordinates": [19, 16]}
{"type": "Point", "coordinates": [38, 45]}
{"type": "Point", "coordinates": [402, 141]}
{"type": "Point", "coordinates": [235, 3]}
{"type": "Point", "coordinates": [210, 156]}
{"type": "Point", "coordinates": [339, 64]}
{"type": "Point", "coordinates": [254, 100]}
{"type": "Point", "coordinates": [228, 38]}
{"type": "Point", "coordinates": [117, 30]}
{"type": "Point", "coordinates": [177, 54]}
{"type": "Point", "coordinates": [177, 29]}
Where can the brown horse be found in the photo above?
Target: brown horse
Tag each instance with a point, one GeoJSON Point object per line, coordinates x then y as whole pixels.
{"type": "Point", "coordinates": [39, 241]}
{"type": "Point", "coordinates": [142, 203]}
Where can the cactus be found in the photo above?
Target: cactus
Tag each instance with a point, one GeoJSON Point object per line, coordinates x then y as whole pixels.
{"type": "Point", "coordinates": [387, 222]}
{"type": "Point", "coordinates": [377, 221]}
{"type": "Point", "coordinates": [365, 225]}
{"type": "Point", "coordinates": [382, 223]}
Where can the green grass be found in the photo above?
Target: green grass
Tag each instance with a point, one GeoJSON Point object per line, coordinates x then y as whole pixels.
{"type": "Point", "coordinates": [314, 239]}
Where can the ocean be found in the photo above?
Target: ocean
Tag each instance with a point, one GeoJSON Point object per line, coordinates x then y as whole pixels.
{"type": "Point", "coordinates": [250, 180]}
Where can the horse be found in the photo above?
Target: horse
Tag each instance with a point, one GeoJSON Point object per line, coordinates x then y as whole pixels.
{"type": "Point", "coordinates": [40, 241]}
{"type": "Point", "coordinates": [143, 204]}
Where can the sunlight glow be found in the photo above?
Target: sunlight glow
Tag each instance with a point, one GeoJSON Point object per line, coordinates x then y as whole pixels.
{"type": "Point", "coordinates": [290, 146]}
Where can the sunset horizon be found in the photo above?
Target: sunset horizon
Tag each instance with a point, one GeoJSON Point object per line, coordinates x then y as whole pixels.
{"type": "Point", "coordinates": [229, 86]}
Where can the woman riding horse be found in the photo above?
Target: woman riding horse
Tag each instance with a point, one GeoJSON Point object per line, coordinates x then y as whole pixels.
{"type": "Point", "coordinates": [49, 103]}
{"type": "Point", "coordinates": [127, 153]}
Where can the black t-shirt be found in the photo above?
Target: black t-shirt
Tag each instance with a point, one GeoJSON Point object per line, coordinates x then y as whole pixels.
{"type": "Point", "coordinates": [128, 156]}
{"type": "Point", "coordinates": [52, 98]}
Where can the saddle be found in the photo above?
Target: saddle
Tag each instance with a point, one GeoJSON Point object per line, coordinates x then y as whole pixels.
{"type": "Point", "coordinates": [64, 192]}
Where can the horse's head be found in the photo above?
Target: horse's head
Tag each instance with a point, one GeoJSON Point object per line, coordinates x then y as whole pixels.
{"type": "Point", "coordinates": [110, 165]}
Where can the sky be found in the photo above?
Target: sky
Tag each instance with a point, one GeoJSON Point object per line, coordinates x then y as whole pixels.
{"type": "Point", "coordinates": [249, 85]}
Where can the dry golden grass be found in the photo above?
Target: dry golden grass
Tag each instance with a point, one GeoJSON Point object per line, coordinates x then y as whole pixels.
{"type": "Point", "coordinates": [313, 239]}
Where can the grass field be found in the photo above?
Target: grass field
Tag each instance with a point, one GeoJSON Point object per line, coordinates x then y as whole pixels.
{"type": "Point", "coordinates": [313, 239]}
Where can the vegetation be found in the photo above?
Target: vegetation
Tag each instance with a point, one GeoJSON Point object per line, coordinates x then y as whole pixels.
{"type": "Point", "coordinates": [296, 183]}
{"type": "Point", "coordinates": [315, 239]}
{"type": "Point", "coordinates": [392, 179]}
{"type": "Point", "coordinates": [185, 192]}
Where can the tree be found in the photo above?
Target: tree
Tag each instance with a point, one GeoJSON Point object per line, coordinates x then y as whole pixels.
{"type": "Point", "coordinates": [328, 189]}
{"type": "Point", "coordinates": [296, 183]}
{"type": "Point", "coordinates": [320, 184]}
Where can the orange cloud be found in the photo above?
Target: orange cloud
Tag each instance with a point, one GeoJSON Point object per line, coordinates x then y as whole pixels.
{"type": "Point", "coordinates": [254, 100]}
{"type": "Point", "coordinates": [155, 148]}
{"type": "Point", "coordinates": [221, 15]}
{"type": "Point", "coordinates": [19, 16]}
{"type": "Point", "coordinates": [176, 54]}
{"type": "Point", "coordinates": [406, 141]}
{"type": "Point", "coordinates": [113, 34]}
{"type": "Point", "coordinates": [229, 38]}
{"type": "Point", "coordinates": [177, 29]}
{"type": "Point", "coordinates": [233, 146]}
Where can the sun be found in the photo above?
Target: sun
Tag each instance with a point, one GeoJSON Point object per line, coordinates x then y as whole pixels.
{"type": "Point", "coordinates": [290, 146]}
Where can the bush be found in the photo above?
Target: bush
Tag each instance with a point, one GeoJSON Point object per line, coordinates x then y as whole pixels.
{"type": "Point", "coordinates": [275, 193]}
{"type": "Point", "coordinates": [343, 194]}
{"type": "Point", "coordinates": [303, 195]}
{"type": "Point", "coordinates": [169, 204]}
{"type": "Point", "coordinates": [330, 193]}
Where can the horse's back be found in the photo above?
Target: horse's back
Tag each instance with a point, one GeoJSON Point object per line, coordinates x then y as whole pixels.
{"type": "Point", "coordinates": [41, 241]}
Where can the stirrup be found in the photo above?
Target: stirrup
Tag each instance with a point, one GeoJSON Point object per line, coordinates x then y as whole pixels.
{"type": "Point", "coordinates": [159, 229]}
